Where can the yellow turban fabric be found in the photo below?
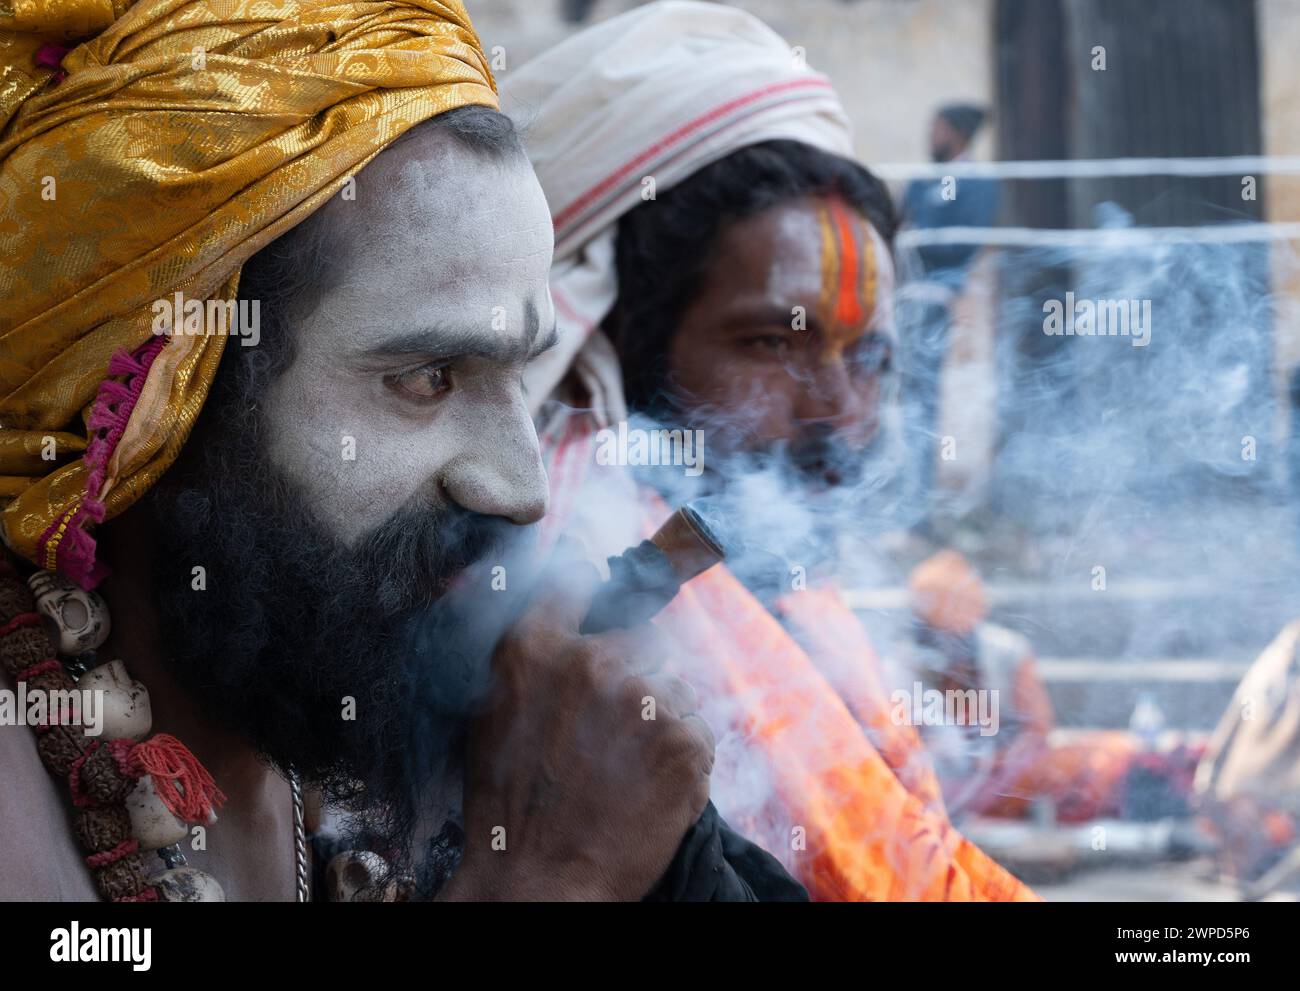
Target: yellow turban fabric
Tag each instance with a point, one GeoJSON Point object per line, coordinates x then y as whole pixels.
{"type": "Point", "coordinates": [176, 139]}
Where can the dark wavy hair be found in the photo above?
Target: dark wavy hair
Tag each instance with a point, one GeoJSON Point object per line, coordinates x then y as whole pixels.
{"type": "Point", "coordinates": [664, 246]}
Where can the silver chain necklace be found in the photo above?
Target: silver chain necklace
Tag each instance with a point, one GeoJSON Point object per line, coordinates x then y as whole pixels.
{"type": "Point", "coordinates": [299, 837]}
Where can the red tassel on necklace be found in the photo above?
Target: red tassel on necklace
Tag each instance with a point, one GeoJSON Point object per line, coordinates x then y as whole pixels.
{"type": "Point", "coordinates": [183, 784]}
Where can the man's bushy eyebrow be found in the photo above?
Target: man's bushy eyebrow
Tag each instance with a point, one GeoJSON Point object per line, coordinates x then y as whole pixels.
{"type": "Point", "coordinates": [446, 341]}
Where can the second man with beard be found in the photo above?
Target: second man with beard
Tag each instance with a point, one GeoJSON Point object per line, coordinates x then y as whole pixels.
{"type": "Point", "coordinates": [723, 263]}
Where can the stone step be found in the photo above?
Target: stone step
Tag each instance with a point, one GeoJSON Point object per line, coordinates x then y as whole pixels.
{"type": "Point", "coordinates": [1187, 643]}
{"type": "Point", "coordinates": [1191, 670]}
{"type": "Point", "coordinates": [1191, 618]}
{"type": "Point", "coordinates": [1191, 692]}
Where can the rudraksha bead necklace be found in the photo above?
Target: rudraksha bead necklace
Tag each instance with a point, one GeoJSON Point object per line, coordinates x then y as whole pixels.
{"type": "Point", "coordinates": [133, 793]}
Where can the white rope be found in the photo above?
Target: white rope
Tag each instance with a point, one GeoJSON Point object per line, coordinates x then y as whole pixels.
{"type": "Point", "coordinates": [1103, 237]}
{"type": "Point", "coordinates": [1089, 168]}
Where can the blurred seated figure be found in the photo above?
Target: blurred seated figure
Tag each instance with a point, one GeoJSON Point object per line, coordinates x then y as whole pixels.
{"type": "Point", "coordinates": [1000, 766]}
{"type": "Point", "coordinates": [1248, 783]}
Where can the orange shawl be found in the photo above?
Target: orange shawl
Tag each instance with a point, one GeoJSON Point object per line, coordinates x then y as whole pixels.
{"type": "Point", "coordinates": [810, 765]}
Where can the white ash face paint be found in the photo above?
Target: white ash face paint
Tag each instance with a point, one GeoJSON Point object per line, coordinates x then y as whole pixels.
{"type": "Point", "coordinates": [441, 286]}
{"type": "Point", "coordinates": [794, 275]}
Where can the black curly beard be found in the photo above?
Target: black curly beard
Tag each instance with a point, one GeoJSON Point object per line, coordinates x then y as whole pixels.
{"type": "Point", "coordinates": [289, 624]}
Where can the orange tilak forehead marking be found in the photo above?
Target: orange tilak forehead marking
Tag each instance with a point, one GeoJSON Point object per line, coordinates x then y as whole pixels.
{"type": "Point", "coordinates": [848, 277]}
{"type": "Point", "coordinates": [848, 306]}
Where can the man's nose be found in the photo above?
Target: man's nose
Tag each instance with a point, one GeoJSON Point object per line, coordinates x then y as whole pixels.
{"type": "Point", "coordinates": [500, 472]}
{"type": "Point", "coordinates": [829, 396]}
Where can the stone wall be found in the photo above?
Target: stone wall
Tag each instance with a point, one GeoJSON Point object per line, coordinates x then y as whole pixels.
{"type": "Point", "coordinates": [892, 61]}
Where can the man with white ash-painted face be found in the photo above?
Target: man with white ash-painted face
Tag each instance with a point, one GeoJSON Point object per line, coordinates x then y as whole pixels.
{"type": "Point", "coordinates": [306, 516]}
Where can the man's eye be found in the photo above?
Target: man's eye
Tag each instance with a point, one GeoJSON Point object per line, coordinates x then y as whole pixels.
{"type": "Point", "coordinates": [774, 343]}
{"type": "Point", "coordinates": [424, 382]}
{"type": "Point", "coordinates": [874, 355]}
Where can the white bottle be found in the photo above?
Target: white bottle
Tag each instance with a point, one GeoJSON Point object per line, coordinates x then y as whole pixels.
{"type": "Point", "coordinates": [1147, 721]}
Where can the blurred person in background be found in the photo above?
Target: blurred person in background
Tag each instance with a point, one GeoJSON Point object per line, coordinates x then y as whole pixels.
{"type": "Point", "coordinates": [957, 649]}
{"type": "Point", "coordinates": [1087, 774]}
{"type": "Point", "coordinates": [926, 298]}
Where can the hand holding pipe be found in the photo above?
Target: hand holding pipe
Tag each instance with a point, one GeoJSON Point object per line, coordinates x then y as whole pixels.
{"type": "Point", "coordinates": [713, 862]}
{"type": "Point", "coordinates": [644, 578]}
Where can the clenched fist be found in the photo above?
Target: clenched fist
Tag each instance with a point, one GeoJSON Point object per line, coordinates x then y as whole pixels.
{"type": "Point", "coordinates": [589, 765]}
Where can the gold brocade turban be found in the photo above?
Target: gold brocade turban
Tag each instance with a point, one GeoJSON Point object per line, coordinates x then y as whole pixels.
{"type": "Point", "coordinates": [176, 139]}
